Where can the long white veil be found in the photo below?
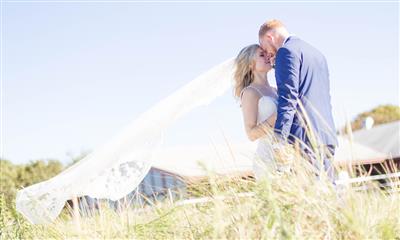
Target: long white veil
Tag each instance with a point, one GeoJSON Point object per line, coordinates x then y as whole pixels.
{"type": "Point", "coordinates": [115, 169]}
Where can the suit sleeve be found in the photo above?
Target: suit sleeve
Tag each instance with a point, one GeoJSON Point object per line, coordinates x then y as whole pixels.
{"type": "Point", "coordinates": [287, 79]}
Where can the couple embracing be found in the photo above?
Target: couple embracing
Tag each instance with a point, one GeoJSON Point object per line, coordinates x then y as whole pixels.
{"type": "Point", "coordinates": [297, 113]}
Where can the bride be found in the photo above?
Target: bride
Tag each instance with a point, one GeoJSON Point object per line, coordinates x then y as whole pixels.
{"type": "Point", "coordinates": [117, 167]}
{"type": "Point", "coordinates": [259, 104]}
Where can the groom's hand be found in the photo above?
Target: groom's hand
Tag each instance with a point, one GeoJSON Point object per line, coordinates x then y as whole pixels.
{"type": "Point", "coordinates": [273, 61]}
{"type": "Point", "coordinates": [271, 58]}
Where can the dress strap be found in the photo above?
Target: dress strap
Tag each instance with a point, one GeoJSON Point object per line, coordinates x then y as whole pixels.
{"type": "Point", "coordinates": [258, 90]}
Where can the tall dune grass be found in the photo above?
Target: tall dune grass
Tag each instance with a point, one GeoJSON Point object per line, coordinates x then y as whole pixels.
{"type": "Point", "coordinates": [295, 205]}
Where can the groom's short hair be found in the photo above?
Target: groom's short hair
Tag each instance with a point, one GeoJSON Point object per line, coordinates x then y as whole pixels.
{"type": "Point", "coordinates": [270, 25]}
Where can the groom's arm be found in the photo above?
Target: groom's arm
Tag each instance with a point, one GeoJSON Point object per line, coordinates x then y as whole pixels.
{"type": "Point", "coordinates": [287, 80]}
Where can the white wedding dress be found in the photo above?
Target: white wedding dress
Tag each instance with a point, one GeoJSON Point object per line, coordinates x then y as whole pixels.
{"type": "Point", "coordinates": [263, 162]}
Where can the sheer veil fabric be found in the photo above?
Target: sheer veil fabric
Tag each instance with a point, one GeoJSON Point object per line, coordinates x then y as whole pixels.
{"type": "Point", "coordinates": [115, 169]}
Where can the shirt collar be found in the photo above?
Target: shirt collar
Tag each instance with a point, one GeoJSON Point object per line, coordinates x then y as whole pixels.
{"type": "Point", "coordinates": [286, 39]}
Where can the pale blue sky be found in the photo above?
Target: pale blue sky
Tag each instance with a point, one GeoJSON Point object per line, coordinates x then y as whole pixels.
{"type": "Point", "coordinates": [76, 73]}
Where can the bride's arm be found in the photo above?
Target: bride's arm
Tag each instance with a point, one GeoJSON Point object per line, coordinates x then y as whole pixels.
{"type": "Point", "coordinates": [250, 112]}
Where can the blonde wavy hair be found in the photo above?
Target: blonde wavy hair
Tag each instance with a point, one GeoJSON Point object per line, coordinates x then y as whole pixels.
{"type": "Point", "coordinates": [243, 75]}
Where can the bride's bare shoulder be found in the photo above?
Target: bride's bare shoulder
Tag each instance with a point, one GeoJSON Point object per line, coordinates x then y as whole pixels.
{"type": "Point", "coordinates": [249, 93]}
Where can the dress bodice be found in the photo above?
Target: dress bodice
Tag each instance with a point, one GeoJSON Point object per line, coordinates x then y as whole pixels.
{"type": "Point", "coordinates": [267, 104]}
{"type": "Point", "coordinates": [266, 108]}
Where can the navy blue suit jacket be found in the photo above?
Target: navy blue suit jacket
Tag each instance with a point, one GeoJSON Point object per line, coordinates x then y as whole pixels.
{"type": "Point", "coordinates": [302, 78]}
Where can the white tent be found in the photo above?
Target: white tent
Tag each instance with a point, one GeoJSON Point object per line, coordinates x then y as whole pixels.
{"type": "Point", "coordinates": [351, 152]}
{"type": "Point", "coordinates": [195, 161]}
{"type": "Point", "coordinates": [384, 138]}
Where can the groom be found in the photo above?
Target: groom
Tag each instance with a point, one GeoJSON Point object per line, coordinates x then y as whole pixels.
{"type": "Point", "coordinates": [304, 103]}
